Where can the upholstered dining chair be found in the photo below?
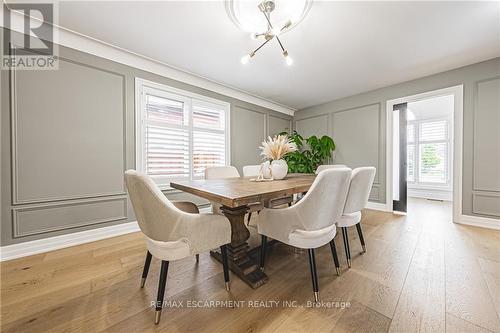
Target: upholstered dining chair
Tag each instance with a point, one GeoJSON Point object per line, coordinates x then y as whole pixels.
{"type": "Point", "coordinates": [222, 172]}
{"type": "Point", "coordinates": [357, 199]}
{"type": "Point", "coordinates": [171, 233]}
{"type": "Point", "coordinates": [251, 170]}
{"type": "Point", "coordinates": [310, 223]}
{"type": "Point", "coordinates": [329, 166]}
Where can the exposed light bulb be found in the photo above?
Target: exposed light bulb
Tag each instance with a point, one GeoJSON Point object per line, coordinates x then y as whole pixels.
{"type": "Point", "coordinates": [245, 59]}
{"type": "Point", "coordinates": [288, 59]}
{"type": "Point", "coordinates": [253, 35]}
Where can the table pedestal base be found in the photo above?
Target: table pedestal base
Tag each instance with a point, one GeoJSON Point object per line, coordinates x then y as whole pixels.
{"type": "Point", "coordinates": [240, 262]}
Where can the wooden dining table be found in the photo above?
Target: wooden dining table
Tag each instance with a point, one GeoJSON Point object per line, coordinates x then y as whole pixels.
{"type": "Point", "coordinates": [235, 195]}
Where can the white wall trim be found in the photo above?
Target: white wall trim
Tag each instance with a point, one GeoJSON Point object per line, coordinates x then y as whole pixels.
{"type": "Point", "coordinates": [58, 242]}
{"type": "Point", "coordinates": [457, 92]}
{"type": "Point", "coordinates": [87, 44]}
{"type": "Point", "coordinates": [29, 248]}
{"type": "Point", "coordinates": [434, 194]}
{"type": "Point", "coordinates": [479, 221]}
{"type": "Point", "coordinates": [377, 206]}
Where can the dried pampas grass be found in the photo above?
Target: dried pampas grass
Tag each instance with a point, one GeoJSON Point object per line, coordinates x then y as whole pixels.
{"type": "Point", "coordinates": [277, 147]}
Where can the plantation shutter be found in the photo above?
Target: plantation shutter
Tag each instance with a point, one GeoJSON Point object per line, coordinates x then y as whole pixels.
{"type": "Point", "coordinates": [433, 152]}
{"type": "Point", "coordinates": [180, 135]}
{"type": "Point", "coordinates": [166, 137]}
{"type": "Point", "coordinates": [209, 136]}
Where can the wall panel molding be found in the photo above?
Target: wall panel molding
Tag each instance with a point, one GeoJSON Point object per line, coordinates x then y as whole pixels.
{"type": "Point", "coordinates": [377, 180]}
{"type": "Point", "coordinates": [21, 218]}
{"type": "Point", "coordinates": [479, 162]}
{"type": "Point", "coordinates": [486, 203]}
{"type": "Point", "coordinates": [16, 199]}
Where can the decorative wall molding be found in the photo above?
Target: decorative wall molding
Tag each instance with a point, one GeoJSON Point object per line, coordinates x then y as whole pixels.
{"type": "Point", "coordinates": [29, 248]}
{"type": "Point", "coordinates": [433, 194]}
{"type": "Point", "coordinates": [87, 44]}
{"type": "Point", "coordinates": [17, 215]}
{"type": "Point", "coordinates": [478, 221]}
{"type": "Point", "coordinates": [58, 242]}
{"type": "Point", "coordinates": [475, 186]}
{"type": "Point", "coordinates": [476, 197]}
{"type": "Point", "coordinates": [16, 200]}
{"type": "Point", "coordinates": [377, 206]}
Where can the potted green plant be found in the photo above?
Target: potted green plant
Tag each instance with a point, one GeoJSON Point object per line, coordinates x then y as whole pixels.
{"type": "Point", "coordinates": [310, 153]}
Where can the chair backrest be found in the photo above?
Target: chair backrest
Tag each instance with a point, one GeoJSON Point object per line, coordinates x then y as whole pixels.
{"type": "Point", "coordinates": [251, 170]}
{"type": "Point", "coordinates": [324, 203]}
{"type": "Point", "coordinates": [359, 189]}
{"type": "Point", "coordinates": [156, 215]}
{"type": "Point", "coordinates": [221, 172]}
{"type": "Point", "coordinates": [329, 166]}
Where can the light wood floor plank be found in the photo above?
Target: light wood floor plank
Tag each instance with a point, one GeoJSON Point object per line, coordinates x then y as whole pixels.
{"type": "Point", "coordinates": [421, 274]}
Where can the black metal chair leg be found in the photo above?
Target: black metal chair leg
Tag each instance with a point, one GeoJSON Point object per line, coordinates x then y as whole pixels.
{"type": "Point", "coordinates": [361, 238]}
{"type": "Point", "coordinates": [161, 290]}
{"type": "Point", "coordinates": [345, 235]}
{"type": "Point", "coordinates": [198, 258]}
{"type": "Point", "coordinates": [225, 265]}
{"type": "Point", "coordinates": [314, 274]}
{"type": "Point", "coordinates": [146, 269]}
{"type": "Point", "coordinates": [335, 256]}
{"type": "Point", "coordinates": [263, 246]}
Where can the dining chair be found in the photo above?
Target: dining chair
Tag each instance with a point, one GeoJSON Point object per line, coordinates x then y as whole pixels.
{"type": "Point", "coordinates": [357, 199]}
{"type": "Point", "coordinates": [222, 172]}
{"type": "Point", "coordinates": [171, 233]}
{"type": "Point", "coordinates": [254, 171]}
{"type": "Point", "coordinates": [310, 223]}
{"type": "Point", "coordinates": [329, 166]}
{"type": "Point", "coordinates": [251, 170]}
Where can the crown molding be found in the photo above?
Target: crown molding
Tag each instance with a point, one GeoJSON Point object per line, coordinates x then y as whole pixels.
{"type": "Point", "coordinates": [81, 42]}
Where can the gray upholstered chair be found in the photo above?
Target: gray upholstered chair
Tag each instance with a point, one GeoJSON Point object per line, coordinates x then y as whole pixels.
{"type": "Point", "coordinates": [173, 231]}
{"type": "Point", "coordinates": [329, 166]}
{"type": "Point", "coordinates": [251, 170]}
{"type": "Point", "coordinates": [310, 223]}
{"type": "Point", "coordinates": [357, 199]}
{"type": "Point", "coordinates": [228, 172]}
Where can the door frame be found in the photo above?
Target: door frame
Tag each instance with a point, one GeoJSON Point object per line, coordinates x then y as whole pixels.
{"type": "Point", "coordinates": [458, 96]}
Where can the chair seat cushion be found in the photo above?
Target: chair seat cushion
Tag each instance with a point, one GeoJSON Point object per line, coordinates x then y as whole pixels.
{"type": "Point", "coordinates": [311, 239]}
{"type": "Point", "coordinates": [348, 220]}
{"type": "Point", "coordinates": [168, 250]}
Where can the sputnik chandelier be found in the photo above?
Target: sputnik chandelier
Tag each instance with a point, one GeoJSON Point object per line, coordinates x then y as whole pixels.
{"type": "Point", "coordinates": [255, 17]}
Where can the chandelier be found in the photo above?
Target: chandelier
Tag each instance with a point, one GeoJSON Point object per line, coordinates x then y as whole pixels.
{"type": "Point", "coordinates": [255, 18]}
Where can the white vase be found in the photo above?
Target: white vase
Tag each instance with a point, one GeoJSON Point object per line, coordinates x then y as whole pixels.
{"type": "Point", "coordinates": [266, 170]}
{"type": "Point", "coordinates": [279, 169]}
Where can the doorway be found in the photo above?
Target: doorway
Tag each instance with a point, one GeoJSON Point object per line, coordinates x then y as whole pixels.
{"type": "Point", "coordinates": [424, 149]}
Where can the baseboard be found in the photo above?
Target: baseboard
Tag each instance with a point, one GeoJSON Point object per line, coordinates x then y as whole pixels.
{"type": "Point", "coordinates": [58, 242]}
{"type": "Point", "coordinates": [479, 221]}
{"type": "Point", "coordinates": [377, 206]}
{"type": "Point", "coordinates": [430, 194]}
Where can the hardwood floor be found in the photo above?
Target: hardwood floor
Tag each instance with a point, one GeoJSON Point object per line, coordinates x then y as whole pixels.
{"type": "Point", "coordinates": [421, 273]}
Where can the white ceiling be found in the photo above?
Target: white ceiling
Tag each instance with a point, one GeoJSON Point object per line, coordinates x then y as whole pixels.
{"type": "Point", "coordinates": [340, 49]}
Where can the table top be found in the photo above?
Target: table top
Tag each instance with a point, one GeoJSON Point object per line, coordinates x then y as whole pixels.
{"type": "Point", "coordinates": [237, 192]}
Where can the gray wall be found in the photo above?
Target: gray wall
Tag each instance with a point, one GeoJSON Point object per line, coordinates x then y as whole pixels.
{"type": "Point", "coordinates": [68, 136]}
{"type": "Point", "coordinates": [357, 124]}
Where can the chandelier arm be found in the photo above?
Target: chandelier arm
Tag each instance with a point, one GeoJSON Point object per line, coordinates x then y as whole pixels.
{"type": "Point", "coordinates": [281, 45]}
{"type": "Point", "coordinates": [261, 45]}
{"type": "Point", "coordinates": [268, 20]}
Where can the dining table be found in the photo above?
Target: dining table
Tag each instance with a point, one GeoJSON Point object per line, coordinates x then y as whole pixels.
{"type": "Point", "coordinates": [235, 196]}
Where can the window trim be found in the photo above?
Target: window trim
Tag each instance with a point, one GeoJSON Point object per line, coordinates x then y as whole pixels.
{"type": "Point", "coordinates": [162, 90]}
{"type": "Point", "coordinates": [416, 142]}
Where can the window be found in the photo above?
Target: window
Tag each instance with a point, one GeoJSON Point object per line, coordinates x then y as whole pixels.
{"type": "Point", "coordinates": [179, 134]}
{"type": "Point", "coordinates": [428, 152]}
